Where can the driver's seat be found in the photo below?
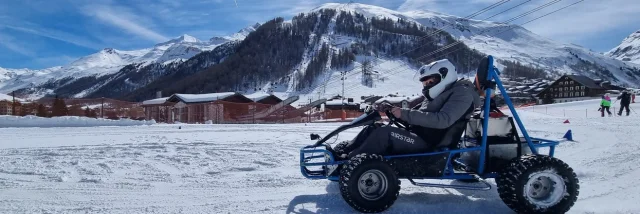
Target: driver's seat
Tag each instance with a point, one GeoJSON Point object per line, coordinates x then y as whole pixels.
{"type": "Point", "coordinates": [453, 134]}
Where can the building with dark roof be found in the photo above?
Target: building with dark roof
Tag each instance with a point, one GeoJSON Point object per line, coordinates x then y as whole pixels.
{"type": "Point", "coordinates": [570, 88]}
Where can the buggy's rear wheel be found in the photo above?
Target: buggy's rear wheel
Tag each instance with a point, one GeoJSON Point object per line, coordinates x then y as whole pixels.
{"type": "Point", "coordinates": [368, 183]}
{"type": "Point", "coordinates": [538, 184]}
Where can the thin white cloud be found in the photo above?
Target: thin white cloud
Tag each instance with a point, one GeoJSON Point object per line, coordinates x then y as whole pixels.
{"type": "Point", "coordinates": [55, 34]}
{"type": "Point", "coordinates": [47, 62]}
{"type": "Point", "coordinates": [297, 7]}
{"type": "Point", "coordinates": [11, 43]}
{"type": "Point", "coordinates": [587, 19]}
{"type": "Point", "coordinates": [124, 20]}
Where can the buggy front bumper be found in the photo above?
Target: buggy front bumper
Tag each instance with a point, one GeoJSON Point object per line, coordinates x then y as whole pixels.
{"type": "Point", "coordinates": [325, 163]}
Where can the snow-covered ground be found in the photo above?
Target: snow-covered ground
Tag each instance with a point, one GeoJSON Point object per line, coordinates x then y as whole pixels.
{"type": "Point", "coordinates": [255, 169]}
{"type": "Point", "coordinates": [66, 121]}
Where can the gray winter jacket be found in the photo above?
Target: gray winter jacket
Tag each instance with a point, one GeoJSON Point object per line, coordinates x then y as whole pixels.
{"type": "Point", "coordinates": [446, 108]}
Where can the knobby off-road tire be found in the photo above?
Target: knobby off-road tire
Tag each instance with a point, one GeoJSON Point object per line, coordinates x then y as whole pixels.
{"type": "Point", "coordinates": [339, 148]}
{"type": "Point", "coordinates": [538, 184]}
{"type": "Point", "coordinates": [369, 183]}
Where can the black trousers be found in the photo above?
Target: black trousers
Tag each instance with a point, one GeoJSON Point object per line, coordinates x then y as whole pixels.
{"type": "Point", "coordinates": [386, 140]}
{"type": "Point", "coordinates": [624, 106]}
{"type": "Point", "coordinates": [605, 108]}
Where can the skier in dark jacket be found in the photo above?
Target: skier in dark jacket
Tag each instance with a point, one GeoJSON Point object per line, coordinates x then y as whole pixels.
{"type": "Point", "coordinates": [625, 100]}
{"type": "Point", "coordinates": [447, 100]}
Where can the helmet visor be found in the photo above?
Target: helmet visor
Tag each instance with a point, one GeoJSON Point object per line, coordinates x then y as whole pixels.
{"type": "Point", "coordinates": [431, 80]}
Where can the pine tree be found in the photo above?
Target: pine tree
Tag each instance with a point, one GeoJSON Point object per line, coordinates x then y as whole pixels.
{"type": "Point", "coordinates": [367, 78]}
{"type": "Point", "coordinates": [87, 112]}
{"type": "Point", "coordinates": [42, 111]}
{"type": "Point", "coordinates": [59, 108]}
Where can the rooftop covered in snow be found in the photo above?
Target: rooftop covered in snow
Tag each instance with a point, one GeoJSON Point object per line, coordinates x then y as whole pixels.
{"type": "Point", "coordinates": [260, 96]}
{"type": "Point", "coordinates": [201, 98]}
{"type": "Point", "coordinates": [157, 101]}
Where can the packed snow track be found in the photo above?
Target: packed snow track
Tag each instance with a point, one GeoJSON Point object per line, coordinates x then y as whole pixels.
{"type": "Point", "coordinates": [255, 169]}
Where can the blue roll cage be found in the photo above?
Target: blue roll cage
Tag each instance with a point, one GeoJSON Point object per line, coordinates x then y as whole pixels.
{"type": "Point", "coordinates": [448, 173]}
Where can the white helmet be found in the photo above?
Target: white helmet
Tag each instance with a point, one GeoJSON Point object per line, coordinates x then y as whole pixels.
{"type": "Point", "coordinates": [444, 73]}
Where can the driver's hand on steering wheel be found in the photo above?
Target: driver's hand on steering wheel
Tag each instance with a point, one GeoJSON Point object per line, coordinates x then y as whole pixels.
{"type": "Point", "coordinates": [397, 112]}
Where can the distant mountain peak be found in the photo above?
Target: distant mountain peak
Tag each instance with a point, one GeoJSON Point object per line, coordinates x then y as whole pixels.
{"type": "Point", "coordinates": [181, 39]}
{"type": "Point", "coordinates": [628, 50]}
{"type": "Point", "coordinates": [188, 38]}
{"type": "Point", "coordinates": [240, 35]}
{"type": "Point", "coordinates": [109, 50]}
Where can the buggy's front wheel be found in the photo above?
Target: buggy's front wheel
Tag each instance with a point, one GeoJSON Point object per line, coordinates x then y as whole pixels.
{"type": "Point", "coordinates": [368, 183]}
{"type": "Point", "coordinates": [538, 184]}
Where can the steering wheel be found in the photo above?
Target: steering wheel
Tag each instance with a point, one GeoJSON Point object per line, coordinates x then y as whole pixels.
{"type": "Point", "coordinates": [393, 119]}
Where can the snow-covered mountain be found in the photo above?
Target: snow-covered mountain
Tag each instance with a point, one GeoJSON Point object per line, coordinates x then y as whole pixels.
{"type": "Point", "coordinates": [516, 43]}
{"type": "Point", "coordinates": [239, 36]}
{"type": "Point", "coordinates": [110, 60]}
{"type": "Point", "coordinates": [393, 74]}
{"type": "Point", "coordinates": [503, 41]}
{"type": "Point", "coordinates": [628, 50]}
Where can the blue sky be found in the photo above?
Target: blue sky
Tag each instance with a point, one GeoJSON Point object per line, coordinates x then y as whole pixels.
{"type": "Point", "coordinates": [43, 33]}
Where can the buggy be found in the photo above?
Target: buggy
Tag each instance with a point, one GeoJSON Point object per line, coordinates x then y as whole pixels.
{"type": "Point", "coordinates": [473, 150]}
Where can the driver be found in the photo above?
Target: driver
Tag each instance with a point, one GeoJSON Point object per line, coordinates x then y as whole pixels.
{"type": "Point", "coordinates": [447, 101]}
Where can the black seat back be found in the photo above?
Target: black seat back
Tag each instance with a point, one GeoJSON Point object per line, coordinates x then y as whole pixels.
{"type": "Point", "coordinates": [454, 133]}
{"type": "Point", "coordinates": [481, 83]}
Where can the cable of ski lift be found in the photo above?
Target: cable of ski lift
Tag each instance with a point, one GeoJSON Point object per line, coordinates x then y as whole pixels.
{"type": "Point", "coordinates": [491, 28]}
{"type": "Point", "coordinates": [483, 31]}
{"type": "Point", "coordinates": [391, 71]}
{"type": "Point", "coordinates": [331, 79]}
{"type": "Point", "coordinates": [510, 27]}
{"type": "Point", "coordinates": [442, 29]}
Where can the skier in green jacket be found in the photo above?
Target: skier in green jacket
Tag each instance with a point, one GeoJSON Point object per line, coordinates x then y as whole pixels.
{"type": "Point", "coordinates": [605, 104]}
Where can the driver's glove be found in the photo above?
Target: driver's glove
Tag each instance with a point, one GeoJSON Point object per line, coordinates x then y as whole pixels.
{"type": "Point", "coordinates": [384, 107]}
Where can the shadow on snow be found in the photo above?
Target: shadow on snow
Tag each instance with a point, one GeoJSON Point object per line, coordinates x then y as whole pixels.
{"type": "Point", "coordinates": [453, 201]}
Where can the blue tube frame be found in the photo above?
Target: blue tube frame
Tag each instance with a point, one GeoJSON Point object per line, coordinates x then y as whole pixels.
{"type": "Point", "coordinates": [448, 172]}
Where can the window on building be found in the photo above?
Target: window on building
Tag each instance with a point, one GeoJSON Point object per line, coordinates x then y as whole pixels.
{"type": "Point", "coordinates": [582, 93]}
{"type": "Point", "coordinates": [571, 94]}
{"type": "Point", "coordinates": [560, 83]}
{"type": "Point", "coordinates": [571, 81]}
{"type": "Point", "coordinates": [566, 88]}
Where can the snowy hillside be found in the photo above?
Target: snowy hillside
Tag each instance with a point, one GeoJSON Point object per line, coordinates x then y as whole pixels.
{"type": "Point", "coordinates": [522, 45]}
{"type": "Point", "coordinates": [109, 61]}
{"type": "Point", "coordinates": [517, 44]}
{"type": "Point", "coordinates": [232, 168]}
{"type": "Point", "coordinates": [628, 50]}
{"type": "Point", "coordinates": [8, 97]}
{"type": "Point", "coordinates": [503, 41]}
